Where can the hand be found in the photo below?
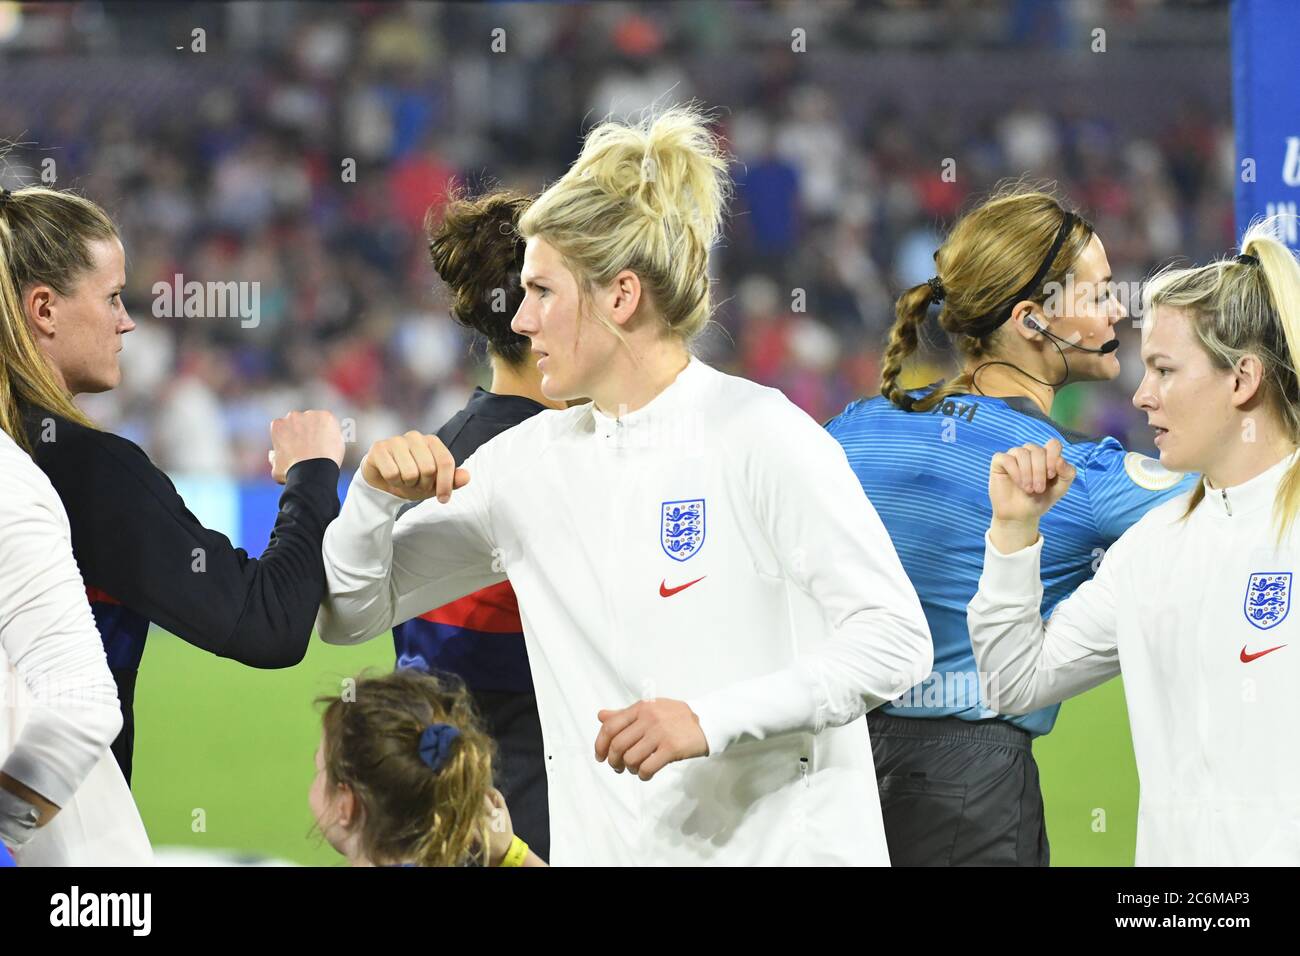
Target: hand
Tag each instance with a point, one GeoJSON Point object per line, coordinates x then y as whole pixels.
{"type": "Point", "coordinates": [413, 466]}
{"type": "Point", "coordinates": [301, 436]}
{"type": "Point", "coordinates": [1024, 483]}
{"type": "Point", "coordinates": [648, 735]}
{"type": "Point", "coordinates": [501, 832]}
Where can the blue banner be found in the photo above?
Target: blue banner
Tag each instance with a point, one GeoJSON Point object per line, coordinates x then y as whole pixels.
{"type": "Point", "coordinates": [1266, 103]}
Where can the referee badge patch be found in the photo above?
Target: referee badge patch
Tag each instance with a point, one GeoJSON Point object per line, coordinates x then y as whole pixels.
{"type": "Point", "coordinates": [1148, 473]}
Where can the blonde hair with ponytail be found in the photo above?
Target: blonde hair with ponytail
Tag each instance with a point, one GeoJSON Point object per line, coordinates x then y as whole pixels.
{"type": "Point", "coordinates": [647, 196]}
{"type": "Point", "coordinates": [45, 237]}
{"type": "Point", "coordinates": [989, 256]}
{"type": "Point", "coordinates": [1241, 308]}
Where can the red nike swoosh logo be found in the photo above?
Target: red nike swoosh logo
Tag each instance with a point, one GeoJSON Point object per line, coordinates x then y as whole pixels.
{"type": "Point", "coordinates": [1247, 658]}
{"type": "Point", "coordinates": [666, 591]}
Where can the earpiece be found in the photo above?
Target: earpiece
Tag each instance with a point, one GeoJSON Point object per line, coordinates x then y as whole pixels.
{"type": "Point", "coordinates": [1030, 322]}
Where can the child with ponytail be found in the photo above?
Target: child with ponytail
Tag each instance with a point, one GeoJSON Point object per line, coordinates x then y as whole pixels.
{"type": "Point", "coordinates": [404, 777]}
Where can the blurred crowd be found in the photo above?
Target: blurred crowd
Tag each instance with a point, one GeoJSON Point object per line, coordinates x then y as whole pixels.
{"type": "Point", "coordinates": [233, 164]}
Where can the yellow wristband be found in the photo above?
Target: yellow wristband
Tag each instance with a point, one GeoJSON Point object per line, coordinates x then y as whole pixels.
{"type": "Point", "coordinates": [516, 854]}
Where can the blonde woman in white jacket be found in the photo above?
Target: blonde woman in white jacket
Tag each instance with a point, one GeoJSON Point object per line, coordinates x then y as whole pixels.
{"type": "Point", "coordinates": [709, 601]}
{"type": "Point", "coordinates": [1192, 604]}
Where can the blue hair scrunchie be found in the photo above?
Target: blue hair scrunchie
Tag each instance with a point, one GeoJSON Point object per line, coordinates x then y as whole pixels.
{"type": "Point", "coordinates": [435, 744]}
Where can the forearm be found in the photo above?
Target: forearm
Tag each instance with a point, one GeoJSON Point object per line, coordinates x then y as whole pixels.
{"type": "Point", "coordinates": [61, 743]}
{"type": "Point", "coordinates": [1005, 625]}
{"type": "Point", "coordinates": [498, 855]}
{"type": "Point", "coordinates": [1032, 664]}
{"type": "Point", "coordinates": [67, 696]}
{"type": "Point", "coordinates": [870, 661]}
{"type": "Point", "coordinates": [876, 641]}
{"type": "Point", "coordinates": [286, 584]}
{"type": "Point", "coordinates": [44, 807]}
{"type": "Point", "coordinates": [1012, 536]}
{"type": "Point", "coordinates": [59, 698]}
{"type": "Point", "coordinates": [358, 602]}
{"type": "Point", "coordinates": [137, 541]}
{"type": "Point", "coordinates": [380, 571]}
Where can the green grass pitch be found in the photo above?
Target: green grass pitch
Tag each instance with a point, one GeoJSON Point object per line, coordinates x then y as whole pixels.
{"type": "Point", "coordinates": [223, 756]}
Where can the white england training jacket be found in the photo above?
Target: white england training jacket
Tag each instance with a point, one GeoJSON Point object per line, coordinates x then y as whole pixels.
{"type": "Point", "coordinates": [58, 703]}
{"type": "Point", "coordinates": [712, 547]}
{"type": "Point", "coordinates": [1196, 616]}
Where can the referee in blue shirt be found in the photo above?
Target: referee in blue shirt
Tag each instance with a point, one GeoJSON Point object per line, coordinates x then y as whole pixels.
{"type": "Point", "coordinates": [958, 783]}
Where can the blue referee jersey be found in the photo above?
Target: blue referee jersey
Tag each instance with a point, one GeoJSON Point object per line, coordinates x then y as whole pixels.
{"type": "Point", "coordinates": [927, 475]}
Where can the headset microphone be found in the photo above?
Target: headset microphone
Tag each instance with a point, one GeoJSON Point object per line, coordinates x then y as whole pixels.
{"type": "Point", "coordinates": [1106, 349]}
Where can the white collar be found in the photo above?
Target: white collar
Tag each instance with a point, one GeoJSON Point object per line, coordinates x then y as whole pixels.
{"type": "Point", "coordinates": [643, 427]}
{"type": "Point", "coordinates": [1249, 496]}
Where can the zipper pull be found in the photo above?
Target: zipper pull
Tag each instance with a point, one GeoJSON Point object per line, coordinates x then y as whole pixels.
{"type": "Point", "coordinates": [1227, 507]}
{"type": "Point", "coordinates": [803, 771]}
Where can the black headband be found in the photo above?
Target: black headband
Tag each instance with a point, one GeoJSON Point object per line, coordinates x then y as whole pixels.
{"type": "Point", "coordinates": [1004, 312]}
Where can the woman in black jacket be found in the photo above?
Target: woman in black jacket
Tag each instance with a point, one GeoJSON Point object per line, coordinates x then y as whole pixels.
{"type": "Point", "coordinates": [143, 555]}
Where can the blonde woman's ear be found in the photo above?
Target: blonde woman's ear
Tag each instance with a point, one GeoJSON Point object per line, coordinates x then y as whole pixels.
{"type": "Point", "coordinates": [627, 296]}
{"type": "Point", "coordinates": [1249, 371]}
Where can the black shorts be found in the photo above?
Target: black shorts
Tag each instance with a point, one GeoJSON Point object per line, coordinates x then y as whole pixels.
{"type": "Point", "coordinates": [958, 793]}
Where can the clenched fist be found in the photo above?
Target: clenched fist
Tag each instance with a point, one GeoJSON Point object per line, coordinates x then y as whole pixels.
{"type": "Point", "coordinates": [1023, 484]}
{"type": "Point", "coordinates": [301, 436]}
{"type": "Point", "coordinates": [413, 466]}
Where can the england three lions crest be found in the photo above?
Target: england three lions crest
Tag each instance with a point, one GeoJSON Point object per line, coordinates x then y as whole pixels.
{"type": "Point", "coordinates": [1268, 598]}
{"type": "Point", "coordinates": [681, 528]}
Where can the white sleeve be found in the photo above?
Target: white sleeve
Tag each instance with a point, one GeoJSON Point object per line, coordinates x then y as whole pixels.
{"type": "Point", "coordinates": [381, 571]}
{"type": "Point", "coordinates": [48, 635]}
{"type": "Point", "coordinates": [830, 543]}
{"type": "Point", "coordinates": [1030, 665]}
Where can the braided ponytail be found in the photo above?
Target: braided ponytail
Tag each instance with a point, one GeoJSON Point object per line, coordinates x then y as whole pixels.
{"type": "Point", "coordinates": [904, 338]}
